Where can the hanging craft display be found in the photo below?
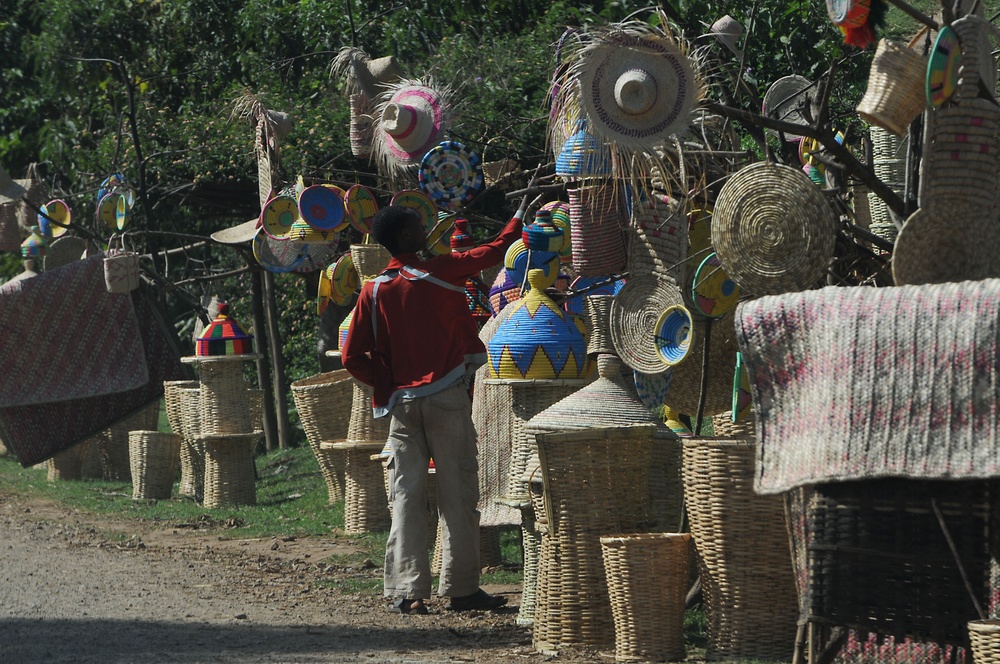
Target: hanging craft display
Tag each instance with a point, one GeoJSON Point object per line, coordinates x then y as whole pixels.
{"type": "Point", "coordinates": [418, 201]}
{"type": "Point", "coordinates": [361, 207]}
{"type": "Point", "coordinates": [276, 255]}
{"type": "Point", "coordinates": [322, 207]}
{"type": "Point", "coordinates": [635, 312]}
{"type": "Point", "coordinates": [278, 215]}
{"type": "Point", "coordinates": [451, 174]}
{"type": "Point", "coordinates": [559, 210]}
{"type": "Point", "coordinates": [713, 292]}
{"type": "Point", "coordinates": [111, 211]}
{"type": "Point", "coordinates": [673, 333]}
{"type": "Point", "coordinates": [943, 66]}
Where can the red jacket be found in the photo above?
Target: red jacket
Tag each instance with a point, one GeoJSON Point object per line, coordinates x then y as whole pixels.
{"type": "Point", "coordinates": [419, 337]}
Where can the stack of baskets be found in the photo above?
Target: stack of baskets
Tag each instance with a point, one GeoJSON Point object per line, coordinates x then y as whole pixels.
{"type": "Point", "coordinates": [889, 161]}
{"type": "Point", "coordinates": [324, 404]}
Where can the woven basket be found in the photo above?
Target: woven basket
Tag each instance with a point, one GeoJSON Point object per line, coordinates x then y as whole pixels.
{"type": "Point", "coordinates": [961, 154]}
{"type": "Point", "coordinates": [597, 313]}
{"type": "Point", "coordinates": [114, 446]}
{"type": "Point", "coordinates": [985, 638]}
{"type": "Point", "coordinates": [647, 576]}
{"type": "Point", "coordinates": [666, 488]}
{"type": "Point", "coordinates": [363, 427]}
{"type": "Point", "coordinates": [889, 162]}
{"type": "Point", "coordinates": [596, 231]}
{"type": "Point", "coordinates": [686, 378]}
{"type": "Point", "coordinates": [724, 427]}
{"type": "Point", "coordinates": [91, 467]}
{"type": "Point", "coordinates": [230, 474]}
{"type": "Point", "coordinates": [153, 458]}
{"type": "Point", "coordinates": [172, 402]}
{"type": "Point", "coordinates": [594, 485]}
{"type": "Point", "coordinates": [366, 506]}
{"type": "Point", "coordinates": [324, 405]}
{"type": "Point", "coordinates": [369, 260]}
{"type": "Point", "coordinates": [192, 449]}
{"type": "Point", "coordinates": [361, 126]}
{"type": "Point", "coordinates": [895, 93]}
{"type": "Point", "coordinates": [743, 553]}
{"type": "Point", "coordinates": [225, 406]}
{"type": "Point", "coordinates": [531, 542]}
{"type": "Point", "coordinates": [773, 230]}
{"type": "Point", "coordinates": [66, 465]}
{"type": "Point", "coordinates": [657, 240]}
{"type": "Point", "coordinates": [634, 313]}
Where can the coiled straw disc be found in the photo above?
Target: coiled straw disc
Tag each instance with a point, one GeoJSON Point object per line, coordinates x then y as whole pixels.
{"type": "Point", "coordinates": [634, 313]}
{"type": "Point", "coordinates": [773, 230]}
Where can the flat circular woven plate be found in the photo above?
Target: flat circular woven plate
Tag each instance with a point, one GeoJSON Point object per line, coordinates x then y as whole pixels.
{"type": "Point", "coordinates": [276, 255]}
{"type": "Point", "coordinates": [302, 232]}
{"type": "Point", "coordinates": [451, 174]}
{"type": "Point", "coordinates": [634, 313]}
{"type": "Point", "coordinates": [321, 207]}
{"type": "Point", "coordinates": [419, 201]}
{"type": "Point", "coordinates": [345, 221]}
{"type": "Point", "coordinates": [314, 256]}
{"type": "Point", "coordinates": [361, 206]}
{"type": "Point", "coordinates": [773, 230]}
{"type": "Point", "coordinates": [59, 211]}
{"type": "Point", "coordinates": [278, 215]}
{"type": "Point", "coordinates": [713, 292]}
{"type": "Point", "coordinates": [674, 332]}
{"type": "Point", "coordinates": [942, 67]}
{"type": "Point", "coordinates": [951, 240]}
{"type": "Point", "coordinates": [344, 279]}
{"type": "Point", "coordinates": [107, 210]}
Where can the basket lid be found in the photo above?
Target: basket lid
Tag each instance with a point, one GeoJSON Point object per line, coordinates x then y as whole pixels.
{"type": "Point", "coordinates": [224, 336]}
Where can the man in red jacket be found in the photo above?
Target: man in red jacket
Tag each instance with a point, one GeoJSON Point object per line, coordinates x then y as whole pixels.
{"type": "Point", "coordinates": [414, 340]}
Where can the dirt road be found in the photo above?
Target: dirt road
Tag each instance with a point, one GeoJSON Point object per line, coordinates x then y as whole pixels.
{"type": "Point", "coordinates": [80, 588]}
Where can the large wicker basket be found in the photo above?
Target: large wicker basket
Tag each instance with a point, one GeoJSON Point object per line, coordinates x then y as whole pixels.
{"type": "Point", "coordinates": [895, 93]}
{"type": "Point", "coordinates": [230, 474]}
{"type": "Point", "coordinates": [324, 405]}
{"type": "Point", "coordinates": [985, 638]}
{"type": "Point", "coordinates": [154, 457]}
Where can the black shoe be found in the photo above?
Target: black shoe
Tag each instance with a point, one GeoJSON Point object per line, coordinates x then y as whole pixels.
{"type": "Point", "coordinates": [477, 601]}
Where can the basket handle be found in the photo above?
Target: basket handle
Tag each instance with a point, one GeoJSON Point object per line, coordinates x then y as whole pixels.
{"type": "Point", "coordinates": [917, 37]}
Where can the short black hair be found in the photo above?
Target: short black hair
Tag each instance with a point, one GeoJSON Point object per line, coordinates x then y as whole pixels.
{"type": "Point", "coordinates": [388, 222]}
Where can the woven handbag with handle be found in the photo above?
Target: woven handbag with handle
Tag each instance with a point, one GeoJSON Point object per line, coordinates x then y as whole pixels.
{"type": "Point", "coordinates": [121, 266]}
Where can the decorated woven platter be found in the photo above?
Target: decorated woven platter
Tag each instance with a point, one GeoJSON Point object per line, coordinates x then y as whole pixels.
{"type": "Point", "coordinates": [276, 255]}
{"type": "Point", "coordinates": [302, 232]}
{"type": "Point", "coordinates": [116, 182]}
{"type": "Point", "coordinates": [108, 211]}
{"type": "Point", "coordinates": [674, 333]}
{"type": "Point", "coordinates": [322, 207]}
{"type": "Point", "coordinates": [418, 200]}
{"type": "Point", "coordinates": [439, 237]}
{"type": "Point", "coordinates": [942, 67]}
{"type": "Point", "coordinates": [451, 174]}
{"type": "Point", "coordinates": [314, 256]}
{"type": "Point", "coordinates": [278, 215]}
{"type": "Point", "coordinates": [58, 210]}
{"type": "Point", "coordinates": [518, 260]}
{"type": "Point", "coordinates": [337, 282]}
{"type": "Point", "coordinates": [361, 207]}
{"type": "Point", "coordinates": [635, 313]}
{"type": "Point", "coordinates": [712, 291]}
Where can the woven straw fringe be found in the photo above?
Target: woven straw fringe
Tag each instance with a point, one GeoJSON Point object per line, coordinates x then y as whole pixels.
{"type": "Point", "coordinates": [363, 427]}
{"type": "Point", "coordinates": [743, 553]}
{"type": "Point", "coordinates": [597, 313]}
{"type": "Point", "coordinates": [594, 486]}
{"type": "Point", "coordinates": [323, 402]}
{"type": "Point", "coordinates": [895, 93]}
{"type": "Point", "coordinates": [657, 240]}
{"type": "Point", "coordinates": [985, 638]}
{"type": "Point", "coordinates": [225, 406]}
{"type": "Point", "coordinates": [114, 446]}
{"type": "Point", "coordinates": [369, 260]}
{"type": "Point", "coordinates": [192, 450]}
{"type": "Point", "coordinates": [154, 458]}
{"type": "Point", "coordinates": [66, 465]}
{"type": "Point", "coordinates": [362, 132]}
{"type": "Point", "coordinates": [10, 232]}
{"type": "Point", "coordinates": [596, 225]}
{"type": "Point", "coordinates": [647, 578]}
{"type": "Point", "coordinates": [229, 469]}
{"type": "Point", "coordinates": [366, 507]}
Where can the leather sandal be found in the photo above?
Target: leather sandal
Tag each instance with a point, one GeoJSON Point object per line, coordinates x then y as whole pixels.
{"type": "Point", "coordinates": [408, 606]}
{"type": "Point", "coordinates": [477, 601]}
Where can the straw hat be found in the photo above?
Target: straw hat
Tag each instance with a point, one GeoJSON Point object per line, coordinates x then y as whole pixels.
{"type": "Point", "coordinates": [237, 234]}
{"type": "Point", "coordinates": [783, 99]}
{"type": "Point", "coordinates": [950, 240]}
{"type": "Point", "coordinates": [636, 87]}
{"type": "Point", "coordinates": [365, 74]}
{"type": "Point", "coordinates": [774, 232]}
{"type": "Point", "coordinates": [727, 30]}
{"type": "Point", "coordinates": [634, 314]}
{"type": "Point", "coordinates": [411, 120]}
{"type": "Point", "coordinates": [10, 191]}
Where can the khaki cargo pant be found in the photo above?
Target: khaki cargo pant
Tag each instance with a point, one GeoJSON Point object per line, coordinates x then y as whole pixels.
{"type": "Point", "coordinates": [438, 426]}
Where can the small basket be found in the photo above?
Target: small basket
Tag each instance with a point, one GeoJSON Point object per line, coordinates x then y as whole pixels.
{"type": "Point", "coordinates": [192, 450]}
{"type": "Point", "coordinates": [647, 575]}
{"type": "Point", "coordinates": [985, 638]}
{"type": "Point", "coordinates": [121, 267]}
{"type": "Point", "coordinates": [895, 93]}
{"type": "Point", "coordinates": [114, 446]}
{"type": "Point", "coordinates": [153, 457]}
{"type": "Point", "coordinates": [597, 313]}
{"type": "Point", "coordinates": [225, 403]}
{"type": "Point", "coordinates": [369, 259]}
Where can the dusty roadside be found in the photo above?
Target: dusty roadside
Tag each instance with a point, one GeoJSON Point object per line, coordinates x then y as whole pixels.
{"type": "Point", "coordinates": [74, 590]}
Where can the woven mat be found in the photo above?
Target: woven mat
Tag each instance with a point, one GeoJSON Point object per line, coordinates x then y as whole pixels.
{"type": "Point", "coordinates": [35, 433]}
{"type": "Point", "coordinates": [852, 383]}
{"type": "Point", "coordinates": [63, 336]}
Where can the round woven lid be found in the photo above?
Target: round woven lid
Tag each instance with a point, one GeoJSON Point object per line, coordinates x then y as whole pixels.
{"type": "Point", "coordinates": [634, 313]}
{"type": "Point", "coordinates": [773, 230]}
{"type": "Point", "coordinates": [63, 251]}
{"type": "Point", "coordinates": [950, 240]}
{"type": "Point", "coordinates": [785, 97]}
{"type": "Point", "coordinates": [560, 217]}
{"type": "Point", "coordinates": [518, 260]}
{"type": "Point", "coordinates": [322, 207]}
{"type": "Point", "coordinates": [418, 200]}
{"type": "Point", "coordinates": [362, 206]}
{"type": "Point", "coordinates": [674, 333]}
{"type": "Point", "coordinates": [450, 174]}
{"type": "Point", "coordinates": [278, 215]}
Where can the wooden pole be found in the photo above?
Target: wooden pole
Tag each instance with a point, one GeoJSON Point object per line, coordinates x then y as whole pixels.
{"type": "Point", "coordinates": [264, 361]}
{"type": "Point", "coordinates": [277, 360]}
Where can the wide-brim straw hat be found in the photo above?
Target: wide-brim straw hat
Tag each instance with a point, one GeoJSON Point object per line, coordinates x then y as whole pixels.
{"type": "Point", "coordinates": [636, 87]}
{"type": "Point", "coordinates": [10, 191]}
{"type": "Point", "coordinates": [410, 121]}
{"type": "Point", "coordinates": [784, 99]}
{"type": "Point", "coordinates": [634, 313]}
{"type": "Point", "coordinates": [773, 230]}
{"type": "Point", "coordinates": [727, 30]}
{"type": "Point", "coordinates": [949, 240]}
{"type": "Point", "coordinates": [238, 234]}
